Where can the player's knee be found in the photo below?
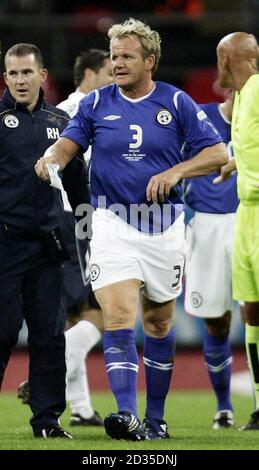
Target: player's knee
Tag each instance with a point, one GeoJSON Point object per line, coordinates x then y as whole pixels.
{"type": "Point", "coordinates": [157, 327]}
{"type": "Point", "coordinates": [218, 327]}
{"type": "Point", "coordinates": [251, 313]}
{"type": "Point", "coordinates": [118, 318]}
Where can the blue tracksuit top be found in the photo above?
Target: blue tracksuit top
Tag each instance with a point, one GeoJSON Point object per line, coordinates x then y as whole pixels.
{"type": "Point", "coordinates": [27, 204]}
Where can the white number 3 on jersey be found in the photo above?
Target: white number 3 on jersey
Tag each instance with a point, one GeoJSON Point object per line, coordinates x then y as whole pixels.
{"type": "Point", "coordinates": [136, 136]}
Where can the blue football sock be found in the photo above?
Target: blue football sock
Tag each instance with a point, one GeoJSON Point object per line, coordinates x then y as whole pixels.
{"type": "Point", "coordinates": [121, 363]}
{"type": "Point", "coordinates": [218, 359]}
{"type": "Point", "coordinates": [158, 359]}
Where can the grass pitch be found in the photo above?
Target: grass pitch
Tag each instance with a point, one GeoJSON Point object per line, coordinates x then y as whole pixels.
{"type": "Point", "coordinates": [188, 414]}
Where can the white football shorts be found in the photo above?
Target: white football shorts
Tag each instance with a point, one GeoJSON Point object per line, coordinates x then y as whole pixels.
{"type": "Point", "coordinates": [208, 289]}
{"type": "Point", "coordinates": [120, 252]}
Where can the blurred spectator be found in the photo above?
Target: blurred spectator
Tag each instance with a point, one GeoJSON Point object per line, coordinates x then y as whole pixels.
{"type": "Point", "coordinates": [135, 6]}
{"type": "Point", "coordinates": [202, 85]}
{"type": "Point", "coordinates": [188, 7]}
{"type": "Point", "coordinates": [26, 6]}
{"type": "Point", "coordinates": [87, 19]}
{"type": "Point", "coordinates": [225, 6]}
{"type": "Point", "coordinates": [51, 90]}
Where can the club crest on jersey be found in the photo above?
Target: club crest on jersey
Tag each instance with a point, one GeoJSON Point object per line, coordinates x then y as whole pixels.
{"type": "Point", "coordinates": [196, 299]}
{"type": "Point", "coordinates": [164, 117]}
{"type": "Point", "coordinates": [94, 272]}
{"type": "Point", "coordinates": [11, 121]}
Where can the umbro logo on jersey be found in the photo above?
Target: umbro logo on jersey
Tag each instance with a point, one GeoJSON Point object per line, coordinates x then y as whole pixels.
{"type": "Point", "coordinates": [112, 117]}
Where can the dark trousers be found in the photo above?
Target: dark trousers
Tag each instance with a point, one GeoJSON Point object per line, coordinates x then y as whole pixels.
{"type": "Point", "coordinates": [32, 288]}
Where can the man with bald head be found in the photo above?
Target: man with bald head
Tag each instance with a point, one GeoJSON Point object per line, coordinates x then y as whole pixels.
{"type": "Point", "coordinates": [237, 65]}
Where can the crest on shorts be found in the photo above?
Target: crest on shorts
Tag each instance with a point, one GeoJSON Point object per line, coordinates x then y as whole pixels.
{"type": "Point", "coordinates": [11, 121]}
{"type": "Point", "coordinates": [94, 272]}
{"type": "Point", "coordinates": [164, 117]}
{"type": "Point", "coordinates": [196, 299]}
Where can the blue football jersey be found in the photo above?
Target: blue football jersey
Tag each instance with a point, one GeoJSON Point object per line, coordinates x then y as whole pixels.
{"type": "Point", "coordinates": [200, 193]}
{"type": "Point", "coordinates": [134, 139]}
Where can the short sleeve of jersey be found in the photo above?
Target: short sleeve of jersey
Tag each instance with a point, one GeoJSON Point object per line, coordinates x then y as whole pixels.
{"type": "Point", "coordinates": [80, 128]}
{"type": "Point", "coordinates": [198, 131]}
{"type": "Point", "coordinates": [253, 85]}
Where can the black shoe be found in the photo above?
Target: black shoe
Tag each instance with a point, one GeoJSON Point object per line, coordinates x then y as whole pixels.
{"type": "Point", "coordinates": [155, 429]}
{"type": "Point", "coordinates": [253, 423]}
{"type": "Point", "coordinates": [124, 425]}
{"type": "Point", "coordinates": [23, 392]}
{"type": "Point", "coordinates": [223, 419]}
{"type": "Point", "coordinates": [78, 420]}
{"type": "Point", "coordinates": [54, 431]}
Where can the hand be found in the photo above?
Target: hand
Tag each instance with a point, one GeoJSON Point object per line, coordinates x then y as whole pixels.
{"type": "Point", "coordinates": [225, 171]}
{"type": "Point", "coordinates": [41, 168]}
{"type": "Point", "coordinates": [159, 186]}
{"type": "Point", "coordinates": [224, 174]}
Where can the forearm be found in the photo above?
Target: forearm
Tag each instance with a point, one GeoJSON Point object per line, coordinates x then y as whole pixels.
{"type": "Point", "coordinates": [61, 152]}
{"type": "Point", "coordinates": [207, 161]}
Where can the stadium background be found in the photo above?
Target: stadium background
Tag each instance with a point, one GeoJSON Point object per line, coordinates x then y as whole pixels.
{"type": "Point", "coordinates": [190, 31]}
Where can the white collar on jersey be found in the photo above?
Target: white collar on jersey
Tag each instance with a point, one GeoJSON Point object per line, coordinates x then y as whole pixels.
{"type": "Point", "coordinates": [135, 100]}
{"type": "Point", "coordinates": [223, 115]}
